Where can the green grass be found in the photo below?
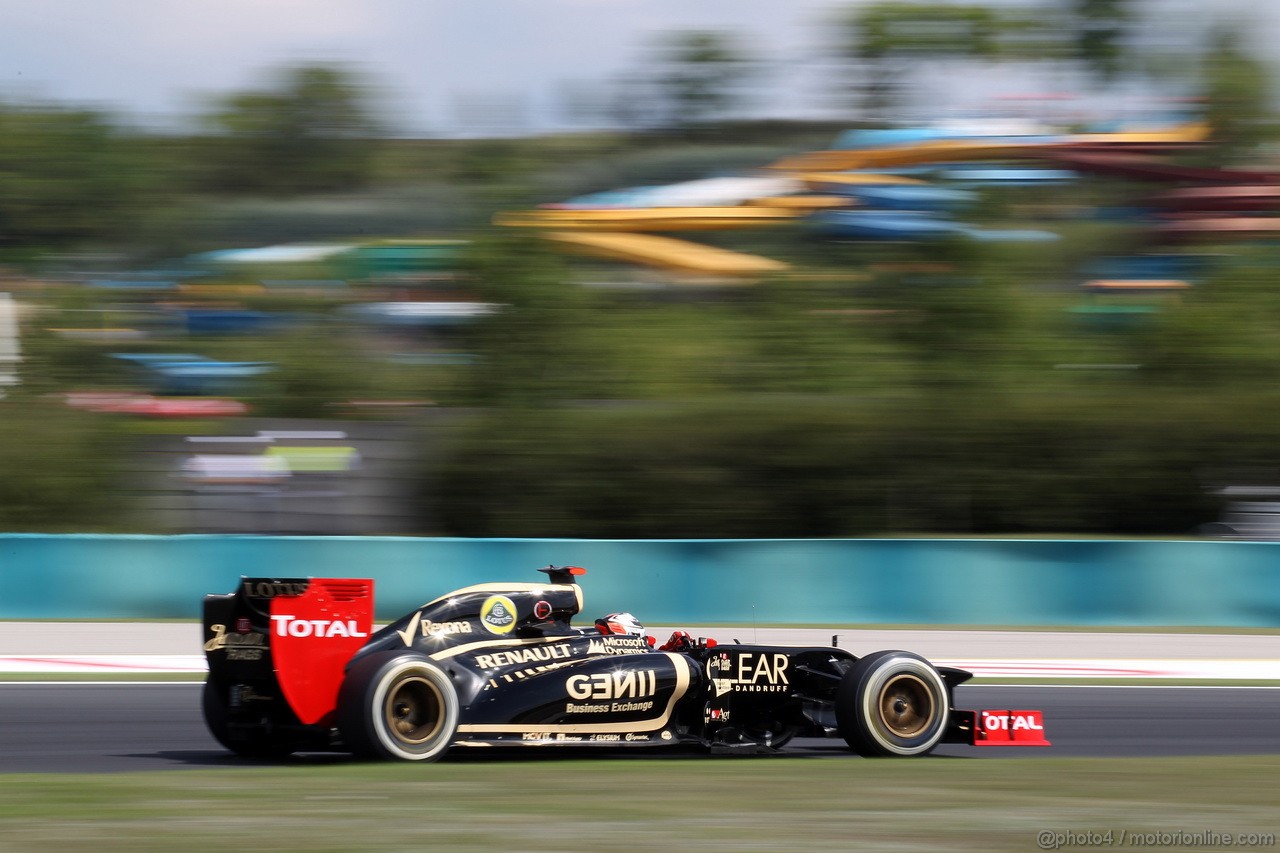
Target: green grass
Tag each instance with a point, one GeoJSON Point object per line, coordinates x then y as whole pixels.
{"type": "Point", "coordinates": [731, 804]}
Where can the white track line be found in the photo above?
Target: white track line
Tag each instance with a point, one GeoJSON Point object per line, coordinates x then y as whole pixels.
{"type": "Point", "coordinates": [120, 683]}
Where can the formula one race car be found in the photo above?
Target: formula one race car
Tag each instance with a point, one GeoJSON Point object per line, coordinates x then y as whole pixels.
{"type": "Point", "coordinates": [295, 665]}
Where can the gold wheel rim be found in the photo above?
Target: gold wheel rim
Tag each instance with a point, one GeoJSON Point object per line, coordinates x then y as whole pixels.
{"type": "Point", "coordinates": [906, 705]}
{"type": "Point", "coordinates": [414, 710]}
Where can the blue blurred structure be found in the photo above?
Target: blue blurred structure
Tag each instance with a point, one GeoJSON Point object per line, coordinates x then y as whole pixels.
{"type": "Point", "coordinates": [1153, 267]}
{"type": "Point", "coordinates": [913, 225]}
{"type": "Point", "coordinates": [296, 253]}
{"type": "Point", "coordinates": [907, 196]}
{"type": "Point", "coordinates": [884, 225]}
{"type": "Point", "coordinates": [224, 321]}
{"type": "Point", "coordinates": [179, 374]}
{"type": "Point", "coordinates": [1006, 176]}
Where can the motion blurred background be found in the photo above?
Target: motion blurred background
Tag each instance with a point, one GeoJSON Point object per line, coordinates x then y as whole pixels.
{"type": "Point", "coordinates": [640, 269]}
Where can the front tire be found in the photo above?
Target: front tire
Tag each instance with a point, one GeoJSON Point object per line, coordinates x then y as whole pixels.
{"type": "Point", "coordinates": [398, 706]}
{"type": "Point", "coordinates": [892, 703]}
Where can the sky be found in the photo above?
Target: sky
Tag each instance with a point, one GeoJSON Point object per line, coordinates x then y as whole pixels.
{"type": "Point", "coordinates": [158, 58]}
{"type": "Point", "coordinates": [436, 63]}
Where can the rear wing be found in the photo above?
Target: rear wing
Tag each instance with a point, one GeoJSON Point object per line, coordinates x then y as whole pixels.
{"type": "Point", "coordinates": [298, 633]}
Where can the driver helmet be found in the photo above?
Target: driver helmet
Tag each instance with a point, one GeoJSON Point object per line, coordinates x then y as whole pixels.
{"type": "Point", "coordinates": [619, 623]}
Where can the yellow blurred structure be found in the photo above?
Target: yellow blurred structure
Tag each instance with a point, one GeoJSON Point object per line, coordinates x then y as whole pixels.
{"type": "Point", "coordinates": [981, 148]}
{"type": "Point", "coordinates": [803, 203]}
{"type": "Point", "coordinates": [667, 253]}
{"type": "Point", "coordinates": [650, 218]}
{"type": "Point", "coordinates": [944, 151]}
{"type": "Point", "coordinates": [857, 178]}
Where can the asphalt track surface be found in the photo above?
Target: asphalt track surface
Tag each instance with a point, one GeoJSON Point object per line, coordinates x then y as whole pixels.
{"type": "Point", "coordinates": [94, 728]}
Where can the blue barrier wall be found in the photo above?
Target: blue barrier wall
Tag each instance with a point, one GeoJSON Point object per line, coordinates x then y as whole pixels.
{"type": "Point", "coordinates": [846, 581]}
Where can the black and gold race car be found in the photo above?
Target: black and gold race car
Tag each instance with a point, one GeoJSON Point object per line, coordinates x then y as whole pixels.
{"type": "Point", "coordinates": [295, 665]}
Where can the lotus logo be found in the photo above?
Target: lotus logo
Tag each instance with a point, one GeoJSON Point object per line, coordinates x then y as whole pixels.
{"type": "Point", "coordinates": [498, 615]}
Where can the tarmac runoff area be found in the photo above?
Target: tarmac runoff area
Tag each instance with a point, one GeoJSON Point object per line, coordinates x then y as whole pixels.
{"type": "Point", "coordinates": [139, 648]}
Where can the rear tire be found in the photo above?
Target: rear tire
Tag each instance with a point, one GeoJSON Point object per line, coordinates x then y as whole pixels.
{"type": "Point", "coordinates": [892, 703]}
{"type": "Point", "coordinates": [249, 743]}
{"type": "Point", "coordinates": [398, 706]}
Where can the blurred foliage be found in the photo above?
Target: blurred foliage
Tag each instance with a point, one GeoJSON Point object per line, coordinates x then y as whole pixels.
{"type": "Point", "coordinates": [795, 466]}
{"type": "Point", "coordinates": [66, 176]}
{"type": "Point", "coordinates": [533, 349]}
{"type": "Point", "coordinates": [881, 29]}
{"type": "Point", "coordinates": [945, 387]}
{"type": "Point", "coordinates": [62, 469]}
{"type": "Point", "coordinates": [878, 35]}
{"type": "Point", "coordinates": [962, 397]}
{"type": "Point", "coordinates": [701, 77]}
{"type": "Point", "coordinates": [307, 133]}
{"type": "Point", "coordinates": [689, 81]}
{"type": "Point", "coordinates": [1238, 96]}
{"type": "Point", "coordinates": [884, 38]}
{"type": "Point", "coordinates": [1100, 27]}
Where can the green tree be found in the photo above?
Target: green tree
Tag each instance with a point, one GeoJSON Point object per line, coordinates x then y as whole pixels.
{"type": "Point", "coordinates": [531, 350]}
{"type": "Point", "coordinates": [1099, 30]}
{"type": "Point", "coordinates": [66, 176]}
{"type": "Point", "coordinates": [701, 76]}
{"type": "Point", "coordinates": [878, 35]}
{"type": "Point", "coordinates": [61, 468]}
{"type": "Point", "coordinates": [1237, 95]}
{"type": "Point", "coordinates": [883, 38]}
{"type": "Point", "coordinates": [312, 131]}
